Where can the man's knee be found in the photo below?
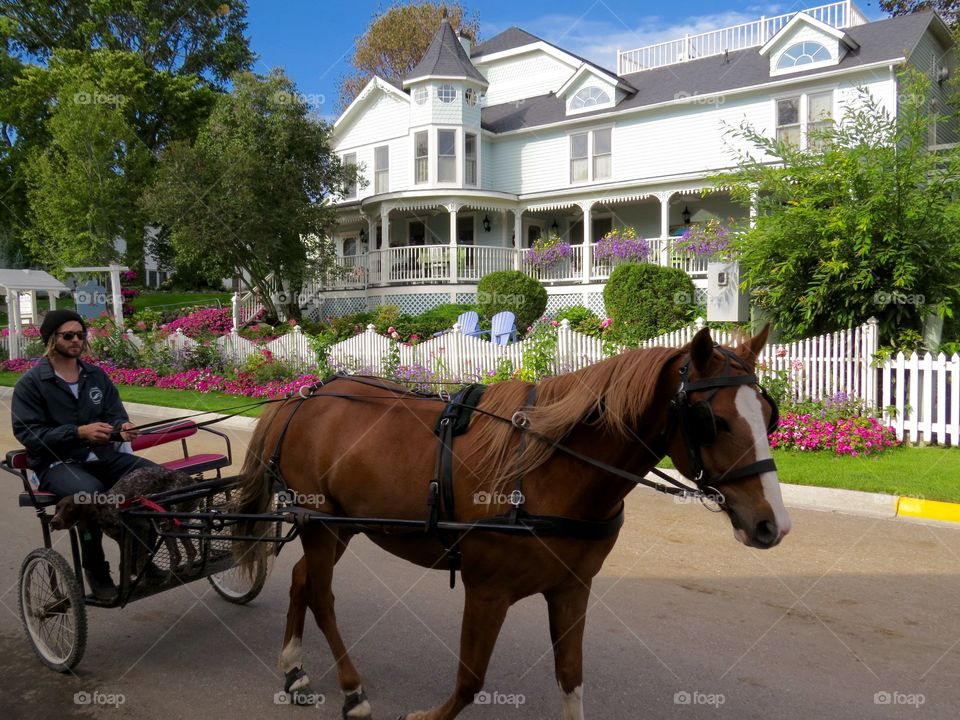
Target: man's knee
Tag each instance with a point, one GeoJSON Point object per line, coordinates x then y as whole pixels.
{"type": "Point", "coordinates": [68, 479]}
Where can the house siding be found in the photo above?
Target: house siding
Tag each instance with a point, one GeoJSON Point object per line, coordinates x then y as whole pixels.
{"type": "Point", "coordinates": [529, 75]}
{"type": "Point", "coordinates": [928, 57]}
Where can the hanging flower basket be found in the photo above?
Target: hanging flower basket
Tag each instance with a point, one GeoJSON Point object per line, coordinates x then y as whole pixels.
{"type": "Point", "coordinates": [622, 244]}
{"type": "Point", "coordinates": [706, 241]}
{"type": "Point", "coordinates": [548, 252]}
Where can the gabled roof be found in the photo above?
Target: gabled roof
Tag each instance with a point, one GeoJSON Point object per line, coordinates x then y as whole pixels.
{"type": "Point", "coordinates": [882, 41]}
{"type": "Point", "coordinates": [388, 87]}
{"type": "Point", "coordinates": [801, 18]}
{"type": "Point", "coordinates": [445, 58]}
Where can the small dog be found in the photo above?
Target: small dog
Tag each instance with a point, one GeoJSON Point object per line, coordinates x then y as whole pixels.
{"type": "Point", "coordinates": [104, 508]}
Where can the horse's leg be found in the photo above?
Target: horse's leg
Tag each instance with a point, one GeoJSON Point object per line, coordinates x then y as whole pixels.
{"type": "Point", "coordinates": [482, 618]}
{"type": "Point", "coordinates": [291, 656]}
{"type": "Point", "coordinates": [323, 547]}
{"type": "Point", "coordinates": [567, 608]}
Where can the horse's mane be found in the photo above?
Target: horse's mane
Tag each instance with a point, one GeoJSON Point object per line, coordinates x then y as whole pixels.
{"type": "Point", "coordinates": [617, 391]}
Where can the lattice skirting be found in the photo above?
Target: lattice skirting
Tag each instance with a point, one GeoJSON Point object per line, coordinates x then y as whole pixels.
{"type": "Point", "coordinates": [337, 307]}
{"type": "Point", "coordinates": [594, 303]}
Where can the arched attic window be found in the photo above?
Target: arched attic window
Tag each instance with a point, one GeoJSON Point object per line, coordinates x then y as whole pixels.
{"type": "Point", "coordinates": [589, 97]}
{"type": "Point", "coordinates": [803, 53]}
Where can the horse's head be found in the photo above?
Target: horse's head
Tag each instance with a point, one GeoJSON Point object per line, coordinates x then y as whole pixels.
{"type": "Point", "coordinates": [720, 422]}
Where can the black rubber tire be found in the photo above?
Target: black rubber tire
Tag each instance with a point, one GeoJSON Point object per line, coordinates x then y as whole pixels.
{"type": "Point", "coordinates": [235, 586]}
{"type": "Point", "coordinates": [52, 609]}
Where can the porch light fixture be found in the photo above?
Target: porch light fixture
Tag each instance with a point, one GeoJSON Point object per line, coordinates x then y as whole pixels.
{"type": "Point", "coordinates": [555, 229]}
{"type": "Point", "coordinates": [486, 223]}
{"type": "Point", "coordinates": [685, 215]}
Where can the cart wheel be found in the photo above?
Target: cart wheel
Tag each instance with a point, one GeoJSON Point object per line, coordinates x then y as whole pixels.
{"type": "Point", "coordinates": [52, 609]}
{"type": "Point", "coordinates": [236, 586]}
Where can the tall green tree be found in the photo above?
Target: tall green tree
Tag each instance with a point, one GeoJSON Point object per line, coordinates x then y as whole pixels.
{"type": "Point", "coordinates": [250, 195]}
{"type": "Point", "coordinates": [188, 37]}
{"type": "Point", "coordinates": [861, 224]}
{"type": "Point", "coordinates": [396, 41]}
{"type": "Point", "coordinates": [13, 202]}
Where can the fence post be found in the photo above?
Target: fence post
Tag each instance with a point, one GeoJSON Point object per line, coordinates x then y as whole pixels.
{"type": "Point", "coordinates": [870, 346]}
{"type": "Point", "coordinates": [235, 310]}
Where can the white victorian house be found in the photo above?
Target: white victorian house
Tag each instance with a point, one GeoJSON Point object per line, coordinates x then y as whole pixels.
{"type": "Point", "coordinates": [482, 149]}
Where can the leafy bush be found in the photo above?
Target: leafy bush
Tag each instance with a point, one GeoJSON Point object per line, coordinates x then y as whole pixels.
{"type": "Point", "coordinates": [511, 290]}
{"type": "Point", "coordinates": [423, 326]}
{"type": "Point", "coordinates": [115, 347]}
{"type": "Point", "coordinates": [646, 300]}
{"type": "Point", "coordinates": [582, 319]}
{"type": "Point", "coordinates": [345, 327]}
{"type": "Point", "coordinates": [263, 367]}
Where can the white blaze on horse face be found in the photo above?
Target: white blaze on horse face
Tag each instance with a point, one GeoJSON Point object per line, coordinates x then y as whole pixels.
{"type": "Point", "coordinates": [573, 704]}
{"type": "Point", "coordinates": [748, 405]}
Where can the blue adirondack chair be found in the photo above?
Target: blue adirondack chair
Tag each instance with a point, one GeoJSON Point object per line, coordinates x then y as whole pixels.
{"type": "Point", "coordinates": [469, 323]}
{"type": "Point", "coordinates": [503, 328]}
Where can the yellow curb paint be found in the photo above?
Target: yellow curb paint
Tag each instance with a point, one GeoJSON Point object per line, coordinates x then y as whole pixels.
{"type": "Point", "coordinates": [928, 509]}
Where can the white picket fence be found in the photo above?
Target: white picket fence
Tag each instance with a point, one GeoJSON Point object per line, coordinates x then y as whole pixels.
{"type": "Point", "coordinates": [921, 397]}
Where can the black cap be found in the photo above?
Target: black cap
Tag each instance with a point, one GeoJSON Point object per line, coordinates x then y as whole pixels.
{"type": "Point", "coordinates": [54, 319]}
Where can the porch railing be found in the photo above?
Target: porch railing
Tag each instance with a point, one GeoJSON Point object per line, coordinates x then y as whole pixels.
{"type": "Point", "coordinates": [434, 264]}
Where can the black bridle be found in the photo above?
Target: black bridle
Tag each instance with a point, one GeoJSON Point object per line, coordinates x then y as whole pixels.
{"type": "Point", "coordinates": [699, 426]}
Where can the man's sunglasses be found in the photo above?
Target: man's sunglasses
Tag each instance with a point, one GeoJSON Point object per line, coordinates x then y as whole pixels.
{"type": "Point", "coordinates": [70, 335]}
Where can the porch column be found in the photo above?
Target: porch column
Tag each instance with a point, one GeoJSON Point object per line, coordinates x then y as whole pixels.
{"type": "Point", "coordinates": [586, 206]}
{"type": "Point", "coordinates": [503, 228]}
{"type": "Point", "coordinates": [385, 224]}
{"type": "Point", "coordinates": [16, 326]}
{"type": "Point", "coordinates": [452, 208]}
{"type": "Point", "coordinates": [664, 254]}
{"type": "Point", "coordinates": [373, 257]}
{"type": "Point", "coordinates": [517, 237]}
{"type": "Point", "coordinates": [54, 296]}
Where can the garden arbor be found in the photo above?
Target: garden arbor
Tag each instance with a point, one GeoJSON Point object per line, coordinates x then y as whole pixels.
{"type": "Point", "coordinates": [15, 284]}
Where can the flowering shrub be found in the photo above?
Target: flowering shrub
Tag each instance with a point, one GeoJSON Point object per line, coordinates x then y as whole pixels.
{"type": "Point", "coordinates": [622, 244]}
{"type": "Point", "coordinates": [548, 251]}
{"type": "Point", "coordinates": [705, 240]}
{"type": "Point", "coordinates": [853, 436]}
{"type": "Point", "coordinates": [203, 323]}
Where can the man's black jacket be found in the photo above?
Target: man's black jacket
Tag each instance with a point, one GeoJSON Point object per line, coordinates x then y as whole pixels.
{"type": "Point", "coordinates": [46, 415]}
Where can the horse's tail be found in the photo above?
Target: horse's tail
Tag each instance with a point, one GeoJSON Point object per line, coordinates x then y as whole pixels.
{"type": "Point", "coordinates": [255, 496]}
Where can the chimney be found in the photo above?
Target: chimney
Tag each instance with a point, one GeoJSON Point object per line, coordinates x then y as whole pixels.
{"type": "Point", "coordinates": [465, 42]}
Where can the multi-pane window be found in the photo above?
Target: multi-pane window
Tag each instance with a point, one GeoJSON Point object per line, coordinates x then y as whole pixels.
{"type": "Point", "coordinates": [349, 247]}
{"type": "Point", "coordinates": [350, 161]}
{"type": "Point", "coordinates": [420, 95]}
{"type": "Point", "coordinates": [446, 156]}
{"type": "Point", "coordinates": [469, 159]}
{"type": "Point", "coordinates": [580, 157]}
{"type": "Point", "coordinates": [602, 155]}
{"type": "Point", "coordinates": [381, 169]}
{"type": "Point", "coordinates": [591, 155]}
{"type": "Point", "coordinates": [803, 53]}
{"type": "Point", "coordinates": [465, 231]}
{"type": "Point", "coordinates": [471, 96]}
{"type": "Point", "coordinates": [801, 115]}
{"type": "Point", "coordinates": [421, 156]}
{"type": "Point", "coordinates": [588, 97]}
{"type": "Point", "coordinates": [446, 93]}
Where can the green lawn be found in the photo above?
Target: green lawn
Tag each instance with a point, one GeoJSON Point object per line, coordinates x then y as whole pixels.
{"type": "Point", "coordinates": [925, 472]}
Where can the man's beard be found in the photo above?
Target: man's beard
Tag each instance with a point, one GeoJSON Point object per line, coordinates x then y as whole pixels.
{"type": "Point", "coordinates": [71, 351]}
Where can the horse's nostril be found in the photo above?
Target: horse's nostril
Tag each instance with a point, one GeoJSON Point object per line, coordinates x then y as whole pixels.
{"type": "Point", "coordinates": [767, 532]}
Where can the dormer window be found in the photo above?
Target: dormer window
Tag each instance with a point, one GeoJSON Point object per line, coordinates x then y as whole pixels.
{"type": "Point", "coordinates": [446, 93]}
{"type": "Point", "coordinates": [803, 53]}
{"type": "Point", "coordinates": [589, 97]}
{"type": "Point", "coordinates": [420, 95]}
{"type": "Point", "coordinates": [471, 96]}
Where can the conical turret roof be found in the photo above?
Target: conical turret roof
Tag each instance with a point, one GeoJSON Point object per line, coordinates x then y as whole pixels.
{"type": "Point", "coordinates": [445, 58]}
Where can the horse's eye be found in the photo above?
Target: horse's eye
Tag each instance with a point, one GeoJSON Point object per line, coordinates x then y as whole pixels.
{"type": "Point", "coordinates": [722, 425]}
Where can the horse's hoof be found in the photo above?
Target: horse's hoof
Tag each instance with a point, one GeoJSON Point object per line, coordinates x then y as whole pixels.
{"type": "Point", "coordinates": [356, 706]}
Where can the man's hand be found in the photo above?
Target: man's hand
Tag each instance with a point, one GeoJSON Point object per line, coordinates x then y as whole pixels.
{"type": "Point", "coordinates": [96, 433]}
{"type": "Point", "coordinates": [128, 432]}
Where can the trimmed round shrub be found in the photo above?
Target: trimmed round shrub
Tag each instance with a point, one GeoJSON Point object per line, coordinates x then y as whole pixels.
{"type": "Point", "coordinates": [645, 300]}
{"type": "Point", "coordinates": [511, 290]}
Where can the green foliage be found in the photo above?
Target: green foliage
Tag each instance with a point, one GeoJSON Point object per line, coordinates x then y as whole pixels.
{"type": "Point", "coordinates": [437, 319]}
{"type": "Point", "coordinates": [645, 300]}
{"type": "Point", "coordinates": [861, 224]}
{"type": "Point", "coordinates": [116, 347]}
{"type": "Point", "coordinates": [539, 353]}
{"type": "Point", "coordinates": [385, 315]}
{"type": "Point", "coordinates": [264, 367]}
{"type": "Point", "coordinates": [582, 319]}
{"type": "Point", "coordinates": [949, 10]}
{"type": "Point", "coordinates": [265, 171]}
{"type": "Point", "coordinates": [397, 40]}
{"type": "Point", "coordinates": [511, 290]}
{"type": "Point", "coordinates": [346, 326]}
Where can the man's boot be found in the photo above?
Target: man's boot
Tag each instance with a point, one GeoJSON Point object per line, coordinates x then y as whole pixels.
{"type": "Point", "coordinates": [96, 570]}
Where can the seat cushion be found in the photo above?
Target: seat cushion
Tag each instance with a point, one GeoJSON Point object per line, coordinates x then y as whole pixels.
{"type": "Point", "coordinates": [44, 499]}
{"type": "Point", "coordinates": [197, 463]}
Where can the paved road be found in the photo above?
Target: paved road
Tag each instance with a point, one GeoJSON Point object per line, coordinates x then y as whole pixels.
{"type": "Point", "coordinates": [845, 609]}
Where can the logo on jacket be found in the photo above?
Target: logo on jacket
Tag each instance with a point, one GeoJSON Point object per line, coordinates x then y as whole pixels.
{"type": "Point", "coordinates": [96, 395]}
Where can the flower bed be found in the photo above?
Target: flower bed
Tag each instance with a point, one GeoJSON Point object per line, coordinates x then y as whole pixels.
{"type": "Point", "coordinates": [853, 436]}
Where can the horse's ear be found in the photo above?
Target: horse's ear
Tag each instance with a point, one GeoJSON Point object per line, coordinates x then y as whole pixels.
{"type": "Point", "coordinates": [701, 349]}
{"type": "Point", "coordinates": [751, 348]}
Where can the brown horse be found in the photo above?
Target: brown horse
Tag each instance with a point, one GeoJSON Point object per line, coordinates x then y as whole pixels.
{"type": "Point", "coordinates": [372, 454]}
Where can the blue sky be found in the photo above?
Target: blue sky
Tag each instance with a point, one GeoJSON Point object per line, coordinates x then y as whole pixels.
{"type": "Point", "coordinates": [313, 41]}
